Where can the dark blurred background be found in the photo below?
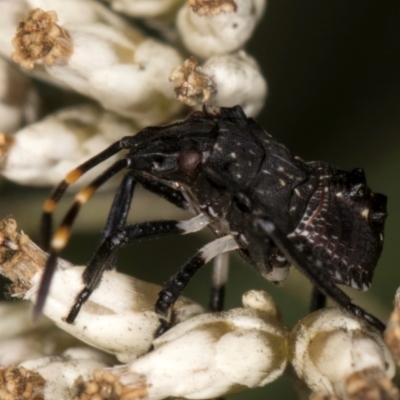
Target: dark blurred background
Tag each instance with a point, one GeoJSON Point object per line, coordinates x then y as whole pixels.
{"type": "Point", "coordinates": [333, 71]}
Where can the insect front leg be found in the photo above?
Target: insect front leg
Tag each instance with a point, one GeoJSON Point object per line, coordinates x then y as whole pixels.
{"type": "Point", "coordinates": [317, 276]}
{"type": "Point", "coordinates": [177, 283]}
{"type": "Point", "coordinates": [118, 213]}
{"type": "Point", "coordinates": [61, 236]}
{"type": "Point", "coordinates": [121, 237]}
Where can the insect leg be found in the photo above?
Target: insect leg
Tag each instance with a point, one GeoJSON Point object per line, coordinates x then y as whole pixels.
{"type": "Point", "coordinates": [61, 236]}
{"type": "Point", "coordinates": [177, 283]}
{"type": "Point", "coordinates": [318, 300]}
{"type": "Point", "coordinates": [118, 213]}
{"type": "Point", "coordinates": [55, 196]}
{"type": "Point", "coordinates": [121, 237]}
{"type": "Point", "coordinates": [219, 278]}
{"type": "Point", "coordinates": [172, 196]}
{"type": "Point", "coordinates": [317, 276]}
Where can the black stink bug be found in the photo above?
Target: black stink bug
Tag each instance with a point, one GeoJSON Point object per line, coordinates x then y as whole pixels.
{"type": "Point", "coordinates": [273, 208]}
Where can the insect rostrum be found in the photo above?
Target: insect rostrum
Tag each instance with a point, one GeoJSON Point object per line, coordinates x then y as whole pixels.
{"type": "Point", "coordinates": [273, 208]}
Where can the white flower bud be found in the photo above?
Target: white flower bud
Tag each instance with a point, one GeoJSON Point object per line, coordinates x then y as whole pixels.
{"type": "Point", "coordinates": [19, 101]}
{"type": "Point", "coordinates": [145, 8]}
{"type": "Point", "coordinates": [224, 81]}
{"type": "Point", "coordinates": [123, 71]}
{"type": "Point", "coordinates": [207, 356]}
{"type": "Point", "coordinates": [220, 28]}
{"type": "Point", "coordinates": [119, 318]}
{"type": "Point", "coordinates": [42, 153]}
{"type": "Point", "coordinates": [239, 80]}
{"type": "Point", "coordinates": [335, 353]}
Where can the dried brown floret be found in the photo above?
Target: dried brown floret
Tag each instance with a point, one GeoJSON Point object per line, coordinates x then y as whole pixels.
{"type": "Point", "coordinates": [106, 386]}
{"type": "Point", "coordinates": [18, 383]}
{"type": "Point", "coordinates": [370, 384]}
{"type": "Point", "coordinates": [192, 86]}
{"type": "Point", "coordinates": [212, 7]}
{"type": "Point", "coordinates": [40, 39]}
{"type": "Point", "coordinates": [20, 258]}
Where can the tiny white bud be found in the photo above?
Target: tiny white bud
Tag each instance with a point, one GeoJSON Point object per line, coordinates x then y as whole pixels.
{"type": "Point", "coordinates": [43, 153]}
{"type": "Point", "coordinates": [220, 28]}
{"type": "Point", "coordinates": [335, 353]}
{"type": "Point", "coordinates": [207, 356]}
{"type": "Point", "coordinates": [224, 81]}
{"type": "Point", "coordinates": [238, 80]}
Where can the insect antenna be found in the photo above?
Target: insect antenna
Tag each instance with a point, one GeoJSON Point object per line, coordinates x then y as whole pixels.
{"type": "Point", "coordinates": [55, 196]}
{"type": "Point", "coordinates": [61, 236]}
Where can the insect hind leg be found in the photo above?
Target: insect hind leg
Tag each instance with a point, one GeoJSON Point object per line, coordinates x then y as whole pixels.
{"type": "Point", "coordinates": [177, 283]}
{"type": "Point", "coordinates": [121, 237]}
{"type": "Point", "coordinates": [317, 276]}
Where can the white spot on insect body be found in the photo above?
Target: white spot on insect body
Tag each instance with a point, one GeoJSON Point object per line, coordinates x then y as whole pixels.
{"type": "Point", "coordinates": [282, 182]}
{"type": "Point", "coordinates": [243, 238]}
{"type": "Point", "coordinates": [238, 176]}
{"type": "Point", "coordinates": [365, 212]}
{"type": "Point", "coordinates": [339, 194]}
{"type": "Point", "coordinates": [233, 156]}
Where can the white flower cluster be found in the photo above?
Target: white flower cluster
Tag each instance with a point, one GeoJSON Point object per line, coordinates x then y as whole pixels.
{"type": "Point", "coordinates": [42, 152]}
{"type": "Point", "coordinates": [83, 46]}
{"type": "Point", "coordinates": [201, 357]}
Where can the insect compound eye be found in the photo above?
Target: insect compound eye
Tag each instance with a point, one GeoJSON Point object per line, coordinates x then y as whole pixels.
{"type": "Point", "coordinates": [358, 183]}
{"type": "Point", "coordinates": [189, 160]}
